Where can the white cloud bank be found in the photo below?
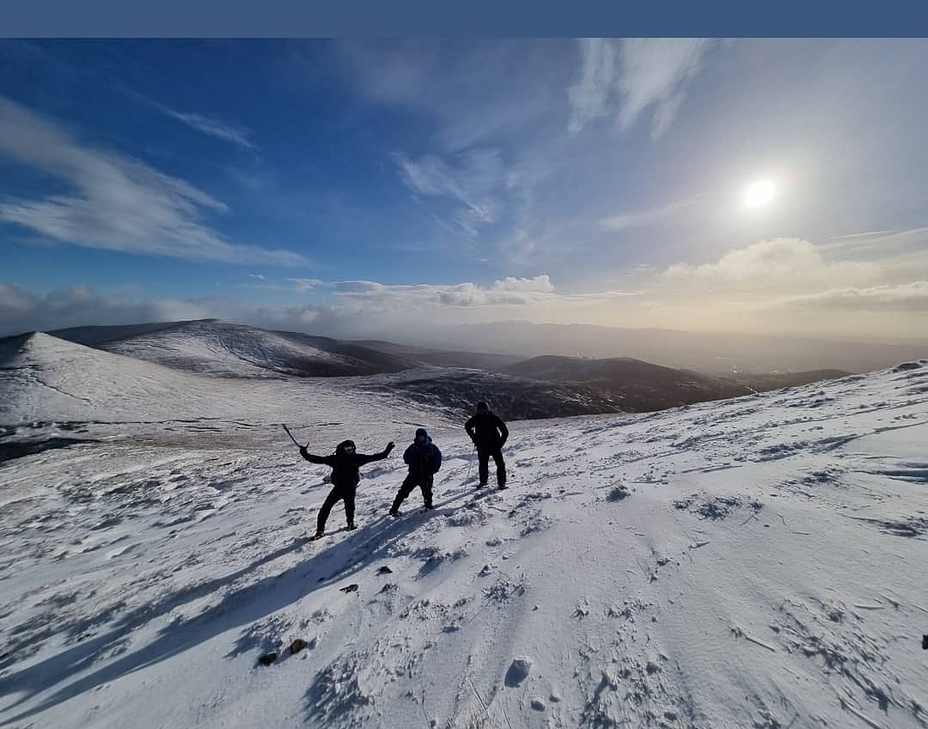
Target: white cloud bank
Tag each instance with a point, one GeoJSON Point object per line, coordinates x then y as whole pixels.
{"type": "Point", "coordinates": [784, 285]}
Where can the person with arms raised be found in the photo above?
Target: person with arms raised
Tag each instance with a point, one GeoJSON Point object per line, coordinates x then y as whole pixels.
{"type": "Point", "coordinates": [345, 464]}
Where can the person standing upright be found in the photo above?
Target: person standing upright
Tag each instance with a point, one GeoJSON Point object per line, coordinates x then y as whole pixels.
{"type": "Point", "coordinates": [424, 459]}
{"type": "Point", "coordinates": [489, 434]}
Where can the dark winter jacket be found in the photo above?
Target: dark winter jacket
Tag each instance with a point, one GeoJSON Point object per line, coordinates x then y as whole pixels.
{"type": "Point", "coordinates": [345, 465]}
{"type": "Point", "coordinates": [423, 459]}
{"type": "Point", "coordinates": [487, 430]}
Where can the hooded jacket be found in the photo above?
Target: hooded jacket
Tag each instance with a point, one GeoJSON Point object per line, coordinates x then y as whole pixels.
{"type": "Point", "coordinates": [487, 430]}
{"type": "Point", "coordinates": [345, 465]}
{"type": "Point", "coordinates": [423, 459]}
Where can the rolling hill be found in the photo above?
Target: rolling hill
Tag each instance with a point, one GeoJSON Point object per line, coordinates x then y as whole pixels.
{"type": "Point", "coordinates": [227, 349]}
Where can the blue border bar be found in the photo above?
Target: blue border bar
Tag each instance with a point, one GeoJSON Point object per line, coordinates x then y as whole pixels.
{"type": "Point", "coordinates": [455, 18]}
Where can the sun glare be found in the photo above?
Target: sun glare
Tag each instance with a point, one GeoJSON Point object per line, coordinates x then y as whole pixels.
{"type": "Point", "coordinates": [759, 194]}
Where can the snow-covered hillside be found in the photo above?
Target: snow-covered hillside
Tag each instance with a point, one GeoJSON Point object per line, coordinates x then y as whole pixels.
{"type": "Point", "coordinates": [757, 562]}
{"type": "Point", "coordinates": [47, 380]}
{"type": "Point", "coordinates": [235, 350]}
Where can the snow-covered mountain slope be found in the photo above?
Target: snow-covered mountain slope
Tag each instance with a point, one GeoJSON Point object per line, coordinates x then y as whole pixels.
{"type": "Point", "coordinates": [757, 562]}
{"type": "Point", "coordinates": [542, 387]}
{"type": "Point", "coordinates": [45, 378]}
{"type": "Point", "coordinates": [235, 350]}
{"type": "Point", "coordinates": [517, 398]}
{"type": "Point", "coordinates": [48, 379]}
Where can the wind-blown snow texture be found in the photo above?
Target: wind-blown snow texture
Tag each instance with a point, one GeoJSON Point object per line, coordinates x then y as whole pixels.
{"type": "Point", "coordinates": [757, 562]}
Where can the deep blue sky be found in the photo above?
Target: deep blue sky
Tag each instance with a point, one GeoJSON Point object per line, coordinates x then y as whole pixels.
{"type": "Point", "coordinates": [367, 187]}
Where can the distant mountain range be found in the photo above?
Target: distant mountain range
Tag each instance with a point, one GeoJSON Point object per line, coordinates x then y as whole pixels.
{"type": "Point", "coordinates": [638, 386]}
{"type": "Point", "coordinates": [517, 388]}
{"type": "Point", "coordinates": [711, 353]}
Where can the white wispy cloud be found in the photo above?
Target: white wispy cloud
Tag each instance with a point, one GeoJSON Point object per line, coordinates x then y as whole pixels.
{"type": "Point", "coordinates": [909, 297]}
{"type": "Point", "coordinates": [234, 133]}
{"type": "Point", "coordinates": [474, 92]}
{"type": "Point", "coordinates": [114, 202]}
{"type": "Point", "coordinates": [878, 243]}
{"type": "Point", "coordinates": [626, 78]}
{"type": "Point", "coordinates": [590, 98]}
{"type": "Point", "coordinates": [654, 74]}
{"type": "Point", "coordinates": [477, 182]}
{"type": "Point", "coordinates": [869, 234]}
{"type": "Point", "coordinates": [640, 218]}
{"type": "Point", "coordinates": [488, 112]}
{"type": "Point", "coordinates": [305, 284]}
{"type": "Point", "coordinates": [213, 127]}
{"type": "Point", "coordinates": [520, 246]}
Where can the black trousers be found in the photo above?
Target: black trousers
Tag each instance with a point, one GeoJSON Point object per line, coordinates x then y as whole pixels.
{"type": "Point", "coordinates": [338, 493]}
{"type": "Point", "coordinates": [484, 453]}
{"type": "Point", "coordinates": [409, 483]}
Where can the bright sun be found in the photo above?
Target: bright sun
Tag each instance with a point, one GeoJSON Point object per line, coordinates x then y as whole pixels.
{"type": "Point", "coordinates": [759, 194]}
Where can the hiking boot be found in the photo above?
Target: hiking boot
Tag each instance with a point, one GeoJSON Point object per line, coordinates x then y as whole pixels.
{"type": "Point", "coordinates": [351, 525]}
{"type": "Point", "coordinates": [318, 535]}
{"type": "Point", "coordinates": [394, 513]}
{"type": "Point", "coordinates": [481, 484]}
{"type": "Point", "coordinates": [503, 486]}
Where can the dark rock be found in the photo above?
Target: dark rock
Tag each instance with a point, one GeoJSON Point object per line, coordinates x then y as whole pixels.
{"type": "Point", "coordinates": [297, 645]}
{"type": "Point", "coordinates": [617, 494]}
{"type": "Point", "coordinates": [518, 671]}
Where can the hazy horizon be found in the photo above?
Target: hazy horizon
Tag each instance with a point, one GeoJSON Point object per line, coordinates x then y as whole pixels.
{"type": "Point", "coordinates": [712, 353]}
{"type": "Point", "coordinates": [376, 188]}
{"type": "Point", "coordinates": [318, 331]}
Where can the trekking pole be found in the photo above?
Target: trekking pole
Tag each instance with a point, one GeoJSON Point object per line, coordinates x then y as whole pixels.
{"type": "Point", "coordinates": [291, 436]}
{"type": "Point", "coordinates": [470, 466]}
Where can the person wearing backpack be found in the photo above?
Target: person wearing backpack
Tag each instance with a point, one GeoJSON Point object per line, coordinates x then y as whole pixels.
{"type": "Point", "coordinates": [344, 463]}
{"type": "Point", "coordinates": [424, 459]}
{"type": "Point", "coordinates": [489, 434]}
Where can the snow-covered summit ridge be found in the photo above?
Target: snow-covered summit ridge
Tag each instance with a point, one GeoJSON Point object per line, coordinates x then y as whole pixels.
{"type": "Point", "coordinates": [235, 350]}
